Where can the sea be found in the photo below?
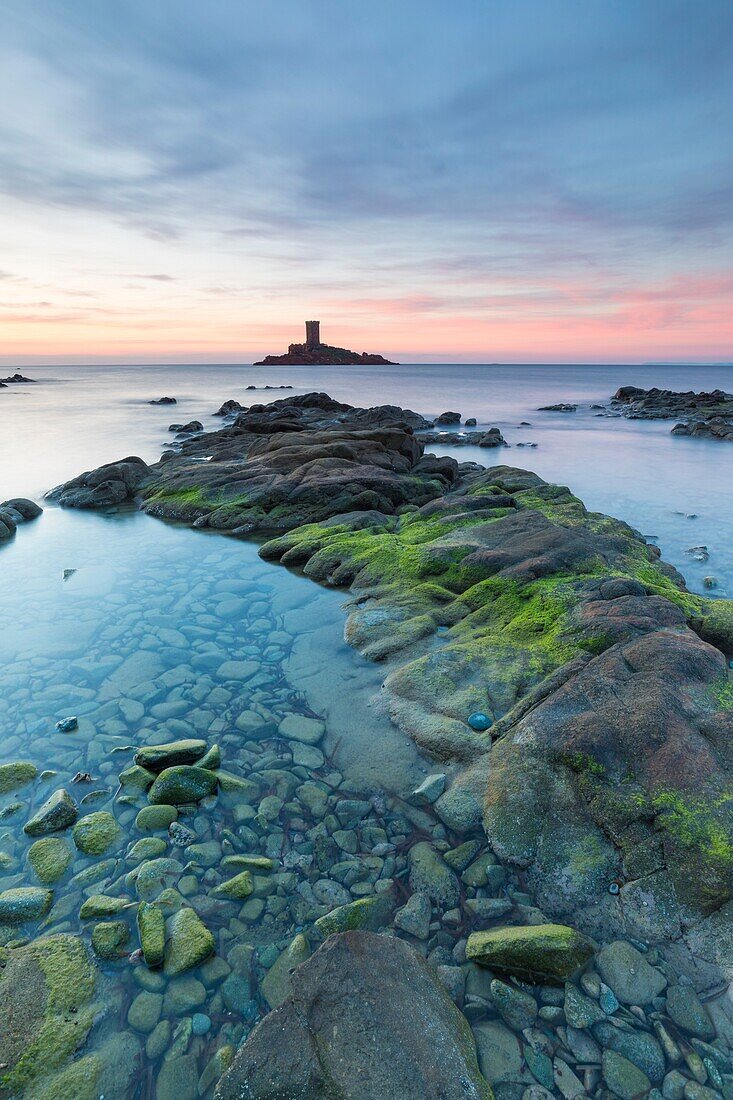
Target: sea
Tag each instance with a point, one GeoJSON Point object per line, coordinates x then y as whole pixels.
{"type": "Point", "coordinates": [133, 626]}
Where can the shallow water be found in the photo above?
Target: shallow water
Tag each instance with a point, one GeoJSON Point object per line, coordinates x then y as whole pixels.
{"type": "Point", "coordinates": [162, 633]}
{"type": "Point", "coordinates": [132, 625]}
{"type": "Point", "coordinates": [82, 416]}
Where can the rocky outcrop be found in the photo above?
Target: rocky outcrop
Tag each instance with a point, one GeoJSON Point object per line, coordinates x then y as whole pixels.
{"type": "Point", "coordinates": [46, 1012]}
{"type": "Point", "coordinates": [715, 428]}
{"type": "Point", "coordinates": [366, 1017]}
{"type": "Point", "coordinates": [658, 404]}
{"type": "Point", "coordinates": [13, 379]}
{"type": "Point", "coordinates": [323, 355]}
{"type": "Point", "coordinates": [304, 460]}
{"type": "Point", "coordinates": [113, 483]}
{"type": "Point", "coordinates": [489, 438]}
{"type": "Point", "coordinates": [186, 429]}
{"type": "Point", "coordinates": [14, 512]}
{"type": "Point", "coordinates": [602, 757]}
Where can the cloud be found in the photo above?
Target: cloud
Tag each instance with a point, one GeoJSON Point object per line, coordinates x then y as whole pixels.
{"type": "Point", "coordinates": [437, 159]}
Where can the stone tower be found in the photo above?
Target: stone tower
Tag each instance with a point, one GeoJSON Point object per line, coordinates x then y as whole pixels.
{"type": "Point", "coordinates": [312, 335]}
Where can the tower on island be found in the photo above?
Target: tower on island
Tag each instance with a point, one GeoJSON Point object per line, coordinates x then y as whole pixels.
{"type": "Point", "coordinates": [313, 352]}
{"type": "Point", "coordinates": [312, 335]}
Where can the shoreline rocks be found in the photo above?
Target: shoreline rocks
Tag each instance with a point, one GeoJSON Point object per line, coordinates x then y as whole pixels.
{"type": "Point", "coordinates": [366, 1017]}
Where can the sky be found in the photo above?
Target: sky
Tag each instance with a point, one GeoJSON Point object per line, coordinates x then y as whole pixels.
{"type": "Point", "coordinates": [464, 181]}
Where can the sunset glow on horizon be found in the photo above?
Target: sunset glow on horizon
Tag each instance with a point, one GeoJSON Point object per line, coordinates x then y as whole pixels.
{"type": "Point", "coordinates": [481, 183]}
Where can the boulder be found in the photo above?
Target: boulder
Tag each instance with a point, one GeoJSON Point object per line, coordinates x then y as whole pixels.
{"type": "Point", "coordinates": [45, 1012]}
{"type": "Point", "coordinates": [95, 833]}
{"type": "Point", "coordinates": [156, 758]}
{"type": "Point", "coordinates": [548, 953]}
{"type": "Point", "coordinates": [24, 903]}
{"type": "Point", "coordinates": [188, 942]}
{"type": "Point", "coordinates": [113, 483]}
{"type": "Point", "coordinates": [367, 1017]}
{"type": "Point", "coordinates": [183, 783]}
{"type": "Point", "coordinates": [276, 985]}
{"type": "Point", "coordinates": [151, 930]}
{"type": "Point", "coordinates": [16, 775]}
{"type": "Point", "coordinates": [57, 813]}
{"type": "Point", "coordinates": [370, 913]}
{"type": "Point", "coordinates": [50, 858]}
{"type": "Point", "coordinates": [109, 939]}
{"type": "Point", "coordinates": [628, 974]}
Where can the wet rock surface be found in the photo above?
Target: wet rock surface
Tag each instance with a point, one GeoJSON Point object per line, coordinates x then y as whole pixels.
{"type": "Point", "coordinates": [499, 596]}
{"type": "Point", "coordinates": [108, 485]}
{"type": "Point", "coordinates": [710, 414]}
{"type": "Point", "coordinates": [15, 512]}
{"type": "Point", "coordinates": [366, 1017]}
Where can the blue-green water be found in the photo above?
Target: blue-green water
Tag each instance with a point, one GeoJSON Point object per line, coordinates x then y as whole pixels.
{"type": "Point", "coordinates": [149, 632]}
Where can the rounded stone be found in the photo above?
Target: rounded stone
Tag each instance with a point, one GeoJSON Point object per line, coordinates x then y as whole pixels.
{"type": "Point", "coordinates": [144, 1012]}
{"type": "Point", "coordinates": [16, 775]}
{"type": "Point", "coordinates": [50, 858]}
{"type": "Point", "coordinates": [181, 784]}
{"type": "Point", "coordinates": [151, 819]}
{"type": "Point", "coordinates": [200, 1023]}
{"type": "Point", "coordinates": [95, 833]}
{"type": "Point", "coordinates": [109, 939]}
{"type": "Point", "coordinates": [24, 903]}
{"type": "Point", "coordinates": [479, 721]}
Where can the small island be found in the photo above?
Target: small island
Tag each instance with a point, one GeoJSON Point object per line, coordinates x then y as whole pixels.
{"type": "Point", "coordinates": [314, 353]}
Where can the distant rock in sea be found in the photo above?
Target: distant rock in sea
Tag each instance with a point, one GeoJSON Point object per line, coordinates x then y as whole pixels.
{"type": "Point", "coordinates": [15, 378]}
{"type": "Point", "coordinates": [314, 353]}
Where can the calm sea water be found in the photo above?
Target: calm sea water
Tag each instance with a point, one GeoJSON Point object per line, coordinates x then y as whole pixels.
{"type": "Point", "coordinates": [635, 470]}
{"type": "Point", "coordinates": [147, 631]}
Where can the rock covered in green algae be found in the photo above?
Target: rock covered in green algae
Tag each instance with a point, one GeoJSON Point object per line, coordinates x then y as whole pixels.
{"type": "Point", "coordinates": [152, 819]}
{"type": "Point", "coordinates": [57, 813]}
{"type": "Point", "coordinates": [101, 905]}
{"type": "Point", "coordinates": [183, 783]}
{"type": "Point", "coordinates": [16, 775]}
{"type": "Point", "coordinates": [156, 758]}
{"type": "Point", "coordinates": [392, 1030]}
{"type": "Point", "coordinates": [429, 874]}
{"type": "Point", "coordinates": [369, 913]}
{"type": "Point", "coordinates": [148, 847]}
{"type": "Point", "coordinates": [276, 984]}
{"type": "Point", "coordinates": [217, 1065]}
{"type": "Point", "coordinates": [95, 833]}
{"type": "Point", "coordinates": [154, 876]}
{"type": "Point", "coordinates": [144, 1012]}
{"type": "Point", "coordinates": [241, 886]}
{"type": "Point", "coordinates": [188, 942]}
{"type": "Point", "coordinates": [24, 903]}
{"type": "Point", "coordinates": [540, 952]}
{"type": "Point", "coordinates": [623, 1078]}
{"type": "Point", "coordinates": [109, 939]}
{"type": "Point", "coordinates": [151, 930]}
{"type": "Point", "coordinates": [50, 858]}
{"type": "Point", "coordinates": [136, 778]}
{"type": "Point", "coordinates": [45, 1011]}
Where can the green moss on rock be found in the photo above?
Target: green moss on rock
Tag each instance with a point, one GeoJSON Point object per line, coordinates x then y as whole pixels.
{"type": "Point", "coordinates": [151, 930]}
{"type": "Point", "coordinates": [109, 939]}
{"type": "Point", "coordinates": [538, 953]}
{"type": "Point", "coordinates": [16, 775]}
{"type": "Point", "coordinates": [45, 1011]}
{"type": "Point", "coordinates": [50, 858]}
{"type": "Point", "coordinates": [95, 833]}
{"type": "Point", "coordinates": [183, 783]}
{"type": "Point", "coordinates": [369, 913]}
{"type": "Point", "coordinates": [24, 903]}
